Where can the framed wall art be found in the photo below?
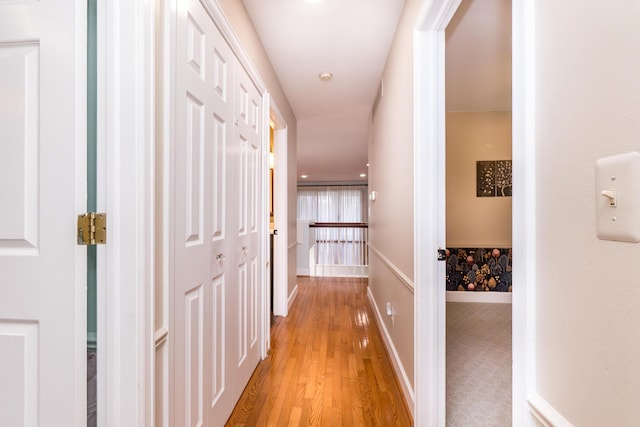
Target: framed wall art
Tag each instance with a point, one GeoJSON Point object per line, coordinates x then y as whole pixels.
{"type": "Point", "coordinates": [494, 178]}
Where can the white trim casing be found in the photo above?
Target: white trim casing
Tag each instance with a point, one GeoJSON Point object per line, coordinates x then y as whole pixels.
{"type": "Point", "coordinates": [524, 208]}
{"type": "Point", "coordinates": [161, 413]}
{"type": "Point", "coordinates": [101, 202]}
{"type": "Point", "coordinates": [79, 136]}
{"type": "Point", "coordinates": [146, 81]}
{"type": "Point", "coordinates": [169, 170]}
{"type": "Point", "coordinates": [281, 212]}
{"type": "Point", "coordinates": [405, 382]}
{"type": "Point", "coordinates": [429, 173]}
{"type": "Point", "coordinates": [265, 265]}
{"type": "Point", "coordinates": [125, 191]}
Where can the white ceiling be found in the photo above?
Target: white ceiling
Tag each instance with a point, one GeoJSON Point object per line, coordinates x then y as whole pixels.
{"type": "Point", "coordinates": [351, 39]}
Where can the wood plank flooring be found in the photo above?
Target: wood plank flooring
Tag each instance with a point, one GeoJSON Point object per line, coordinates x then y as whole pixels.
{"type": "Point", "coordinates": [327, 365]}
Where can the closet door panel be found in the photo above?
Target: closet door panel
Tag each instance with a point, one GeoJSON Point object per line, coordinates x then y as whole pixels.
{"type": "Point", "coordinates": [248, 142]}
{"type": "Point", "coordinates": [204, 125]}
{"type": "Point", "coordinates": [216, 184]}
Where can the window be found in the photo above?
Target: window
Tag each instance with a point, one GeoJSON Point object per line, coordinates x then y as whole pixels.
{"type": "Point", "coordinates": [339, 245]}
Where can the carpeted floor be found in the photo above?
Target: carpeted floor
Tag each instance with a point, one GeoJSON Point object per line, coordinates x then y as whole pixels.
{"type": "Point", "coordinates": [478, 365]}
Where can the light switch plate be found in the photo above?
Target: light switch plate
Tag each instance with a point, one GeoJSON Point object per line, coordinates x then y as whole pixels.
{"type": "Point", "coordinates": [619, 175]}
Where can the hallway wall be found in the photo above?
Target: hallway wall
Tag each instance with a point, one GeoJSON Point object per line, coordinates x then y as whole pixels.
{"type": "Point", "coordinates": [391, 177]}
{"type": "Point", "coordinates": [244, 29]}
{"type": "Point", "coordinates": [587, 293]}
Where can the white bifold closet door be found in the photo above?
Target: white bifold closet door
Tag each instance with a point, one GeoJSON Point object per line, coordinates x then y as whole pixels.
{"type": "Point", "coordinates": [215, 299]}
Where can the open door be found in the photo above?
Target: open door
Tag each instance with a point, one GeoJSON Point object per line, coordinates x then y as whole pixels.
{"type": "Point", "coordinates": [43, 175]}
{"type": "Point", "coordinates": [478, 146]}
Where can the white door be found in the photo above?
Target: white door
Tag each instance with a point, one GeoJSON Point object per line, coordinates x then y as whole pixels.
{"type": "Point", "coordinates": [247, 142]}
{"type": "Point", "coordinates": [42, 189]}
{"type": "Point", "coordinates": [204, 121]}
{"type": "Point", "coordinates": [215, 293]}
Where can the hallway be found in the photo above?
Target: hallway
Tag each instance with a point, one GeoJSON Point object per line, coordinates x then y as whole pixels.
{"type": "Point", "coordinates": [327, 365]}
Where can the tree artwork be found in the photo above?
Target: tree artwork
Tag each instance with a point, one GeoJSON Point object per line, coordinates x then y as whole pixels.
{"type": "Point", "coordinates": [494, 178]}
{"type": "Point", "coordinates": [504, 183]}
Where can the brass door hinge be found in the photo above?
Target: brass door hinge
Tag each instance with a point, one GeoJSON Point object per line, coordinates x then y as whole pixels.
{"type": "Point", "coordinates": [92, 229]}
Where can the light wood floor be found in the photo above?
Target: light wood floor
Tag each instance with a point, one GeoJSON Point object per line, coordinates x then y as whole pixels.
{"type": "Point", "coordinates": [327, 365]}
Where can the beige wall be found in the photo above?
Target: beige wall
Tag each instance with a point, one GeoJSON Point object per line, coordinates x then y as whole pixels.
{"type": "Point", "coordinates": [243, 27]}
{"type": "Point", "coordinates": [391, 176]}
{"type": "Point", "coordinates": [587, 290]}
{"type": "Point", "coordinates": [476, 221]}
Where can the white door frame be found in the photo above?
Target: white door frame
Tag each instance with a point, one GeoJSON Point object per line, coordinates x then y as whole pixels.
{"type": "Point", "coordinates": [281, 213]}
{"type": "Point", "coordinates": [126, 79]}
{"type": "Point", "coordinates": [429, 179]}
{"type": "Point", "coordinates": [524, 209]}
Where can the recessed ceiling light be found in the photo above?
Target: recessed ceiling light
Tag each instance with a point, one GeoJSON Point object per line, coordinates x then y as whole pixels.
{"type": "Point", "coordinates": [304, 176]}
{"type": "Point", "coordinates": [325, 76]}
{"type": "Point", "coordinates": [362, 175]}
{"type": "Point", "coordinates": [367, 164]}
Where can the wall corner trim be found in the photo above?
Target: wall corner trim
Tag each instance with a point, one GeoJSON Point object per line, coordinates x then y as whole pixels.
{"type": "Point", "coordinates": [544, 413]}
{"type": "Point", "coordinates": [405, 383]}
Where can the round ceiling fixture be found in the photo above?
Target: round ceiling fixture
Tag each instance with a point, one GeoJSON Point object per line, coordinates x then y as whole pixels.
{"type": "Point", "coordinates": [325, 76]}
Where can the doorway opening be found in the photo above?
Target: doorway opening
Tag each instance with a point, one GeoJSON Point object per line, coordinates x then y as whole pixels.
{"type": "Point", "coordinates": [272, 228]}
{"type": "Point", "coordinates": [430, 221]}
{"type": "Point", "coordinates": [478, 186]}
{"type": "Point", "coordinates": [278, 227]}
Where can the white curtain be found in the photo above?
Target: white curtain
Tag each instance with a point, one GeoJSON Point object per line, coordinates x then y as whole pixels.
{"type": "Point", "coordinates": [344, 246]}
{"type": "Point", "coordinates": [333, 204]}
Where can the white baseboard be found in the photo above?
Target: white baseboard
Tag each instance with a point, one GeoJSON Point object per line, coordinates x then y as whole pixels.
{"type": "Point", "coordinates": [303, 272]}
{"type": "Point", "coordinates": [546, 414]}
{"type": "Point", "coordinates": [292, 296]}
{"type": "Point", "coordinates": [405, 383]}
{"type": "Point", "coordinates": [479, 296]}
